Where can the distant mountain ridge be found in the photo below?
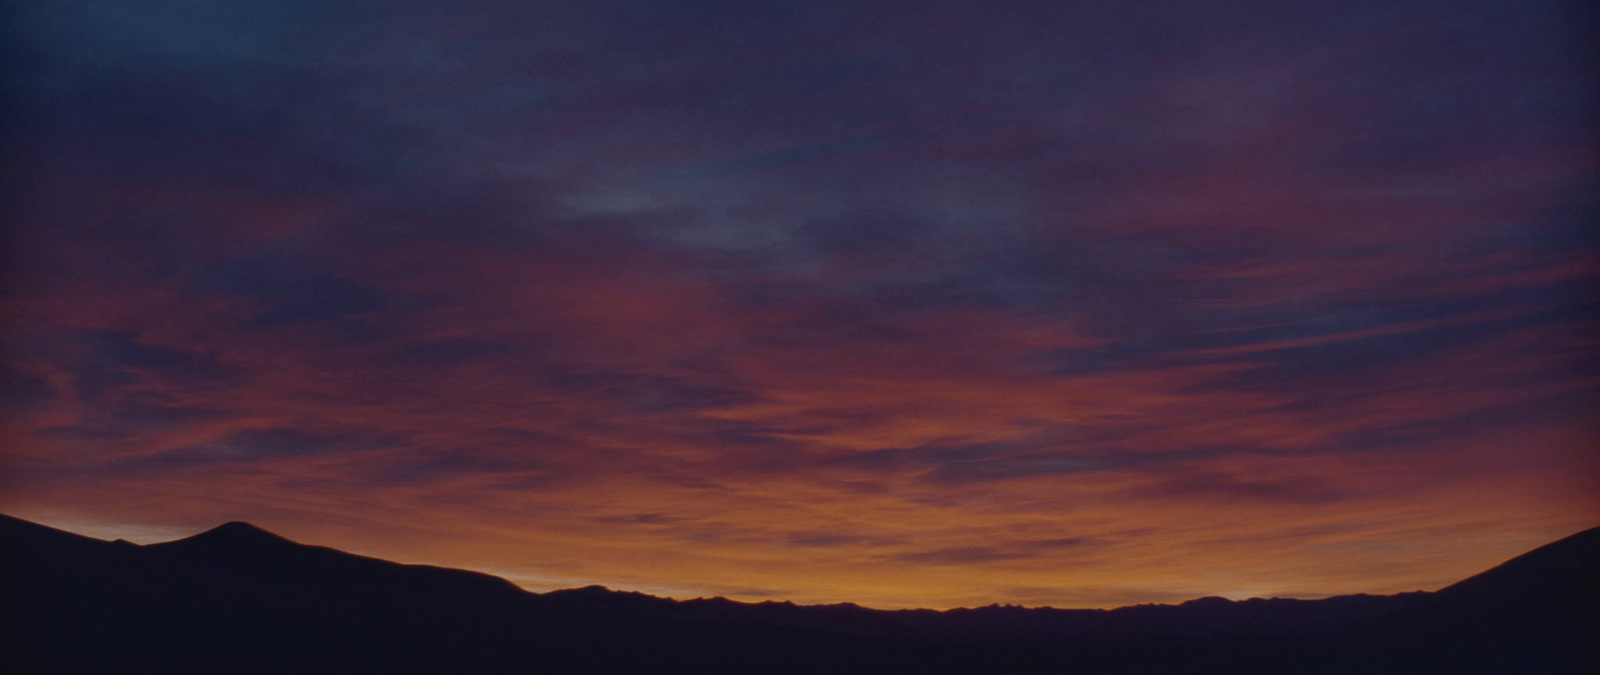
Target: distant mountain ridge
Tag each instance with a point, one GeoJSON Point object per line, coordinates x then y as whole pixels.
{"type": "Point", "coordinates": [239, 599]}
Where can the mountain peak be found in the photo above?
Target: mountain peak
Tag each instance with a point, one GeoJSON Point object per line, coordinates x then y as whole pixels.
{"type": "Point", "coordinates": [236, 533]}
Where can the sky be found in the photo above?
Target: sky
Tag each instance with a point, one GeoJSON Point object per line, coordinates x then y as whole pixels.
{"type": "Point", "coordinates": [921, 304]}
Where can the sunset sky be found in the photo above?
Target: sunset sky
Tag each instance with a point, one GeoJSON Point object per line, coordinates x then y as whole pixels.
{"type": "Point", "coordinates": [929, 304]}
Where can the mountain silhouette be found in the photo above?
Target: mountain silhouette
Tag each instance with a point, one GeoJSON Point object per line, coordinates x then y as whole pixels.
{"type": "Point", "coordinates": [239, 599]}
{"type": "Point", "coordinates": [1560, 573]}
{"type": "Point", "coordinates": [232, 534]}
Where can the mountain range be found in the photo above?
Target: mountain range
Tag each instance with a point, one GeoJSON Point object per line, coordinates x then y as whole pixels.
{"type": "Point", "coordinates": [239, 599]}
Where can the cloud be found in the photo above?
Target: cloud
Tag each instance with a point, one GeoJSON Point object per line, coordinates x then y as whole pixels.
{"type": "Point", "coordinates": [978, 555]}
{"type": "Point", "coordinates": [648, 393]}
{"type": "Point", "coordinates": [967, 555]}
{"type": "Point", "coordinates": [640, 519]}
{"type": "Point", "coordinates": [286, 293]}
{"type": "Point", "coordinates": [250, 446]}
{"type": "Point", "coordinates": [105, 362]}
{"type": "Point", "coordinates": [1300, 490]}
{"type": "Point", "coordinates": [22, 392]}
{"type": "Point", "coordinates": [450, 352]}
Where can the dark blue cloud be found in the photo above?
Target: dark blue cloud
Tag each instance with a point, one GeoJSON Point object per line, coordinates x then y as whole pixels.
{"type": "Point", "coordinates": [246, 447]}
{"type": "Point", "coordinates": [955, 462]}
{"type": "Point", "coordinates": [1437, 435]}
{"type": "Point", "coordinates": [21, 392]}
{"type": "Point", "coordinates": [103, 361]}
{"type": "Point", "coordinates": [432, 465]}
{"type": "Point", "coordinates": [1206, 486]}
{"type": "Point", "coordinates": [645, 392]}
{"type": "Point", "coordinates": [450, 352]}
{"type": "Point", "coordinates": [286, 293]}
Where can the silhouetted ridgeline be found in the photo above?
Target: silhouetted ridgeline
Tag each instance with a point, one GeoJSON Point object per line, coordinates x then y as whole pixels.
{"type": "Point", "coordinates": [237, 599]}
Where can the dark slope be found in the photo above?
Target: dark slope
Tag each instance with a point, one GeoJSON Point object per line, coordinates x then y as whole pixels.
{"type": "Point", "coordinates": [240, 599]}
{"type": "Point", "coordinates": [234, 599]}
{"type": "Point", "coordinates": [1538, 612]}
{"type": "Point", "coordinates": [1560, 573]}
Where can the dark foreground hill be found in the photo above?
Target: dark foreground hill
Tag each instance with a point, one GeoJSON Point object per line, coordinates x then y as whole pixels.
{"type": "Point", "coordinates": [238, 599]}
